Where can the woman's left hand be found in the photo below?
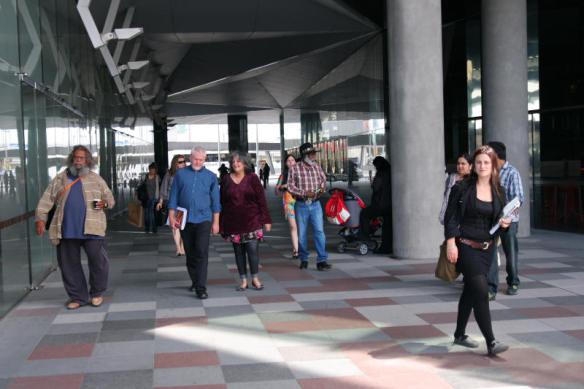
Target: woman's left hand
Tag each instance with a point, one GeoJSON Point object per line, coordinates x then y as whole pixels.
{"type": "Point", "coordinates": [505, 223]}
{"type": "Point", "coordinates": [268, 227]}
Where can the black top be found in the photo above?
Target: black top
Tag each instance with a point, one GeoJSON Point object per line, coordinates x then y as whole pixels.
{"type": "Point", "coordinates": [466, 217]}
{"type": "Point", "coordinates": [477, 220]}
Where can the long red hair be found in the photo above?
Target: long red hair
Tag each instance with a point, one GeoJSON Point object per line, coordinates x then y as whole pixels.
{"type": "Point", "coordinates": [495, 180]}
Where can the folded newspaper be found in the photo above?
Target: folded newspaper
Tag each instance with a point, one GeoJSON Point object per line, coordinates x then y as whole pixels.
{"type": "Point", "coordinates": [511, 207]}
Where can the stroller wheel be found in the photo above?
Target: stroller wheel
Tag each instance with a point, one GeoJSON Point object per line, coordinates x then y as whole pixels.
{"type": "Point", "coordinates": [363, 249]}
{"type": "Point", "coordinates": [341, 247]}
{"type": "Point", "coordinates": [372, 245]}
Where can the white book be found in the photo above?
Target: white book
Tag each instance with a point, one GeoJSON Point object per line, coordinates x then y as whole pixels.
{"type": "Point", "coordinates": [180, 215]}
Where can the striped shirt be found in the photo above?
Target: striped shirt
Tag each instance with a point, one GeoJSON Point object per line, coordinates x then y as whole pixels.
{"type": "Point", "coordinates": [511, 181]}
{"type": "Point", "coordinates": [304, 178]}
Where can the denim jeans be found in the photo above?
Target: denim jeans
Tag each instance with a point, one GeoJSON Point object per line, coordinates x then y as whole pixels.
{"type": "Point", "coordinates": [310, 214]}
{"type": "Point", "coordinates": [245, 252]}
{"type": "Point", "coordinates": [511, 249]}
{"type": "Point", "coordinates": [150, 217]}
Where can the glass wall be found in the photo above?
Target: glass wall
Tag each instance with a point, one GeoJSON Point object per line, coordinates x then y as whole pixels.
{"type": "Point", "coordinates": [49, 83]}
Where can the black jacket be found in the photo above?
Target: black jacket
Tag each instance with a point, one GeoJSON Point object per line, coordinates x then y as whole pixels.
{"type": "Point", "coordinates": [460, 196]}
{"type": "Point", "coordinates": [381, 196]}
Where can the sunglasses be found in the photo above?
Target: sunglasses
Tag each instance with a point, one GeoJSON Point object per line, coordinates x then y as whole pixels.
{"type": "Point", "coordinates": [183, 161]}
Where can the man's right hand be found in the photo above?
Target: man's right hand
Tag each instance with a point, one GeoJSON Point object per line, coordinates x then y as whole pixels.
{"type": "Point", "coordinates": [310, 194]}
{"type": "Point", "coordinates": [40, 227]}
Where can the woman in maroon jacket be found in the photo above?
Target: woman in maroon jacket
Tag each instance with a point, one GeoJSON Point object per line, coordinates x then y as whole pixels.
{"type": "Point", "coordinates": [244, 213]}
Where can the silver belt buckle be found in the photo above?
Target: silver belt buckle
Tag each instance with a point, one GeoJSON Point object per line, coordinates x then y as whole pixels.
{"type": "Point", "coordinates": [308, 201]}
{"type": "Point", "coordinates": [486, 245]}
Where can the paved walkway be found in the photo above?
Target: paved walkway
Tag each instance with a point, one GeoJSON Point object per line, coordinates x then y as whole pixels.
{"type": "Point", "coordinates": [371, 322]}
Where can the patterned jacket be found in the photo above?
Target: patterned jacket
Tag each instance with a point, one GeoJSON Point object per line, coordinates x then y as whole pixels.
{"type": "Point", "coordinates": [94, 187]}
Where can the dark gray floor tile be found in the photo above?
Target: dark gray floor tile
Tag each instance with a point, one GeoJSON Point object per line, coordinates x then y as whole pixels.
{"type": "Point", "coordinates": [138, 379]}
{"type": "Point", "coordinates": [57, 340]}
{"type": "Point", "coordinates": [257, 372]}
{"type": "Point", "coordinates": [113, 325]}
{"type": "Point", "coordinates": [125, 336]}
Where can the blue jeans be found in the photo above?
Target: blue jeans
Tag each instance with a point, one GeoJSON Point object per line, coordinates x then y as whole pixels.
{"type": "Point", "coordinates": [511, 249]}
{"type": "Point", "coordinates": [310, 214]}
{"type": "Point", "coordinates": [150, 217]}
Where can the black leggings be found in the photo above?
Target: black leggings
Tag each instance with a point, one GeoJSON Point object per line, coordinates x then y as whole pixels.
{"type": "Point", "coordinates": [475, 296]}
{"type": "Point", "coordinates": [247, 250]}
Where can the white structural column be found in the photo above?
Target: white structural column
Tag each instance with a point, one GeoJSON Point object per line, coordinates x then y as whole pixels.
{"type": "Point", "coordinates": [504, 93]}
{"type": "Point", "coordinates": [416, 116]}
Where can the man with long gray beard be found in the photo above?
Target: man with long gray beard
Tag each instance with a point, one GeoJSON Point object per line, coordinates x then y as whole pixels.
{"type": "Point", "coordinates": [79, 220]}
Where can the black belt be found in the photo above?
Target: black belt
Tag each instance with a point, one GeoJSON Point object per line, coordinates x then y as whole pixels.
{"type": "Point", "coordinates": [476, 245]}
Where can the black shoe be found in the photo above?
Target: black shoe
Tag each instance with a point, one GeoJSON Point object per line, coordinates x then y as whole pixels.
{"type": "Point", "coordinates": [323, 266]}
{"type": "Point", "coordinates": [202, 295]}
{"type": "Point", "coordinates": [465, 341]}
{"type": "Point", "coordinates": [303, 265]}
{"type": "Point", "coordinates": [496, 347]}
{"type": "Point", "coordinates": [192, 288]}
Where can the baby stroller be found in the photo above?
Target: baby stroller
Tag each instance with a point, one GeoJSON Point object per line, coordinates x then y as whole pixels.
{"type": "Point", "coordinates": [344, 209]}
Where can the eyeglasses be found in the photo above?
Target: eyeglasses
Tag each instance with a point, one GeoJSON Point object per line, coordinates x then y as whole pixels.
{"type": "Point", "coordinates": [183, 161]}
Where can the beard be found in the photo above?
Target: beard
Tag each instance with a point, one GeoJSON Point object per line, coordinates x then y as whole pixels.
{"type": "Point", "coordinates": [82, 171]}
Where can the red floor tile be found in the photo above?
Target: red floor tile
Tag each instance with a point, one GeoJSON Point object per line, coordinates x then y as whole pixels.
{"type": "Point", "coordinates": [369, 302]}
{"type": "Point", "coordinates": [291, 326]}
{"type": "Point", "coordinates": [343, 318]}
{"type": "Point", "coordinates": [185, 359]}
{"type": "Point", "coordinates": [413, 332]}
{"type": "Point", "coordinates": [77, 350]}
{"type": "Point", "coordinates": [270, 299]}
{"type": "Point", "coordinates": [35, 312]}
{"type": "Point", "coordinates": [350, 382]}
{"type": "Point", "coordinates": [544, 312]}
{"type": "Point", "coordinates": [221, 281]}
{"type": "Point", "coordinates": [579, 334]}
{"type": "Point", "coordinates": [72, 381]}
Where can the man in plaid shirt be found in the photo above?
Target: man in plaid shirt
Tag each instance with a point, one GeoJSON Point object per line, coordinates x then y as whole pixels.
{"type": "Point", "coordinates": [511, 181]}
{"type": "Point", "coordinates": [306, 182]}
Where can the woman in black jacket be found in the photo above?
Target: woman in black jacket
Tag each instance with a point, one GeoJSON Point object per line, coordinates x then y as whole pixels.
{"type": "Point", "coordinates": [474, 206]}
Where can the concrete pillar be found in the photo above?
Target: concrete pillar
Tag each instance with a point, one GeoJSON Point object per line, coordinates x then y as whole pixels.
{"type": "Point", "coordinates": [416, 125]}
{"type": "Point", "coordinates": [504, 82]}
{"type": "Point", "coordinates": [161, 146]}
{"type": "Point", "coordinates": [237, 129]}
{"type": "Point", "coordinates": [282, 142]}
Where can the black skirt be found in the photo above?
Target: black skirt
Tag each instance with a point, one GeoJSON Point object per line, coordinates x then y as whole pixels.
{"type": "Point", "coordinates": [472, 262]}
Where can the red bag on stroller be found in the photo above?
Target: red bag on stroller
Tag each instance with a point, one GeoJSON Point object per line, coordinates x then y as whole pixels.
{"type": "Point", "coordinates": [335, 209]}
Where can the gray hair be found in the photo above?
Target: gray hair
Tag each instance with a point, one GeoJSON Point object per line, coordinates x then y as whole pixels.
{"type": "Point", "coordinates": [88, 157]}
{"type": "Point", "coordinates": [243, 158]}
{"type": "Point", "coordinates": [199, 149]}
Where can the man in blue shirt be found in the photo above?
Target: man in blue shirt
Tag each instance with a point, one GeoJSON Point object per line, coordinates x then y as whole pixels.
{"type": "Point", "coordinates": [195, 188]}
{"type": "Point", "coordinates": [511, 181]}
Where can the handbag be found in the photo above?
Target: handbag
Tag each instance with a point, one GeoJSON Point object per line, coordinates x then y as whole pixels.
{"type": "Point", "coordinates": [136, 214]}
{"type": "Point", "coordinates": [51, 212]}
{"type": "Point", "coordinates": [445, 270]}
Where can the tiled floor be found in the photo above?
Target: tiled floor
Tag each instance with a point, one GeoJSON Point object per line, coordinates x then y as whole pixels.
{"type": "Point", "coordinates": [371, 322]}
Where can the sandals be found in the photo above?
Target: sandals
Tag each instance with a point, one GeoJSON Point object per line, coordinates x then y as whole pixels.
{"type": "Point", "coordinates": [258, 286]}
{"type": "Point", "coordinates": [242, 288]}
{"type": "Point", "coordinates": [72, 305]}
{"type": "Point", "coordinates": [96, 301]}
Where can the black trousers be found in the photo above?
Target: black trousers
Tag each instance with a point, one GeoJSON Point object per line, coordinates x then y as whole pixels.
{"type": "Point", "coordinates": [195, 238]}
{"type": "Point", "coordinates": [245, 252]}
{"type": "Point", "coordinates": [69, 259]}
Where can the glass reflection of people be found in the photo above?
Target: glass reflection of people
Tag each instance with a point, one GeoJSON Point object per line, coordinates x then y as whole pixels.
{"type": "Point", "coordinates": [380, 206]}
{"type": "Point", "coordinates": [178, 162]}
{"type": "Point", "coordinates": [289, 203]}
{"type": "Point", "coordinates": [223, 171]}
{"type": "Point", "coordinates": [152, 185]}
{"type": "Point", "coordinates": [475, 204]}
{"type": "Point", "coordinates": [79, 221]}
{"type": "Point", "coordinates": [463, 169]}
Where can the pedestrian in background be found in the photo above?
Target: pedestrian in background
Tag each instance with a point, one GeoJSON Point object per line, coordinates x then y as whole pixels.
{"type": "Point", "coordinates": [178, 162]}
{"type": "Point", "coordinates": [463, 169]}
{"type": "Point", "coordinates": [288, 202]}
